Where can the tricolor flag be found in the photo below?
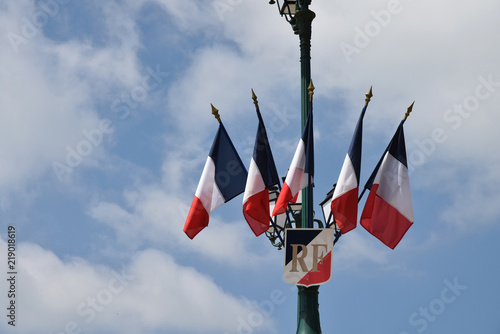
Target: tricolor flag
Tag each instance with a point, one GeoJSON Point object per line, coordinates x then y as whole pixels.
{"type": "Point", "coordinates": [388, 212]}
{"type": "Point", "coordinates": [301, 172]}
{"type": "Point", "coordinates": [262, 174]}
{"type": "Point", "coordinates": [223, 178]}
{"type": "Point", "coordinates": [345, 197]}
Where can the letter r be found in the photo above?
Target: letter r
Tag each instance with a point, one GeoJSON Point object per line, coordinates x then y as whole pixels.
{"type": "Point", "coordinates": [296, 258]}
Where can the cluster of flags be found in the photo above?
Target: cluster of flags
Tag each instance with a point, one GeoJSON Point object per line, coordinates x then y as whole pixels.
{"type": "Point", "coordinates": [387, 213]}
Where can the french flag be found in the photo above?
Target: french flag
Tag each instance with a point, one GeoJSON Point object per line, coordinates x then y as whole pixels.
{"type": "Point", "coordinates": [262, 174]}
{"type": "Point", "coordinates": [301, 172]}
{"type": "Point", "coordinates": [388, 211]}
{"type": "Point", "coordinates": [223, 178]}
{"type": "Point", "coordinates": [345, 196]}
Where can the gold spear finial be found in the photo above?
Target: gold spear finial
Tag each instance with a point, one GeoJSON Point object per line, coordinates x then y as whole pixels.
{"type": "Point", "coordinates": [368, 96]}
{"type": "Point", "coordinates": [311, 90]}
{"type": "Point", "coordinates": [254, 98]}
{"type": "Point", "coordinates": [215, 112]}
{"type": "Point", "coordinates": [410, 108]}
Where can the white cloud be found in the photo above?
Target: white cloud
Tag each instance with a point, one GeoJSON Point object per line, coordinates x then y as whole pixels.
{"type": "Point", "coordinates": [353, 250]}
{"type": "Point", "coordinates": [49, 90]}
{"type": "Point", "coordinates": [189, 16]}
{"type": "Point", "coordinates": [157, 217]}
{"type": "Point", "coordinates": [151, 293]}
{"type": "Point", "coordinates": [476, 200]}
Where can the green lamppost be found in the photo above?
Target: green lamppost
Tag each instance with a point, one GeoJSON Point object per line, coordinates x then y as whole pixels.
{"type": "Point", "coordinates": [298, 14]}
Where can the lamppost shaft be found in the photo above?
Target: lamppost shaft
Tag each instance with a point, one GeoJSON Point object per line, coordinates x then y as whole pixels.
{"type": "Point", "coordinates": [308, 311]}
{"type": "Point", "coordinates": [308, 321]}
{"type": "Point", "coordinates": [304, 18]}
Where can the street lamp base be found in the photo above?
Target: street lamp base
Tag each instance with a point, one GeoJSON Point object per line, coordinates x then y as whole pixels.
{"type": "Point", "coordinates": [308, 310]}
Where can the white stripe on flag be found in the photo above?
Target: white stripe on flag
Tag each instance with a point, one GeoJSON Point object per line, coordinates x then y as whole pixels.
{"type": "Point", "coordinates": [296, 179]}
{"type": "Point", "coordinates": [394, 185]}
{"type": "Point", "coordinates": [347, 179]}
{"type": "Point", "coordinates": [255, 183]}
{"type": "Point", "coordinates": [207, 191]}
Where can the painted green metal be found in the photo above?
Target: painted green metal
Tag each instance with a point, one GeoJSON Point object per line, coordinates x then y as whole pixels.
{"type": "Point", "coordinates": [308, 311]}
{"type": "Point", "coordinates": [308, 321]}
{"type": "Point", "coordinates": [303, 25]}
{"type": "Point", "coordinates": [307, 304]}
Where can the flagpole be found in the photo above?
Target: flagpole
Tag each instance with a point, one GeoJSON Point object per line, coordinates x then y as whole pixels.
{"type": "Point", "coordinates": [255, 102]}
{"type": "Point", "coordinates": [215, 112]}
{"type": "Point", "coordinates": [372, 176]}
{"type": "Point", "coordinates": [410, 108]}
{"type": "Point", "coordinates": [368, 96]}
{"type": "Point", "coordinates": [309, 190]}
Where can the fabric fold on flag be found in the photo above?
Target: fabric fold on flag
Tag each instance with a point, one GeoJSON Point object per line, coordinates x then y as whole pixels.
{"type": "Point", "coordinates": [388, 211]}
{"type": "Point", "coordinates": [301, 172]}
{"type": "Point", "coordinates": [345, 196]}
{"type": "Point", "coordinates": [222, 179]}
{"type": "Point", "coordinates": [262, 174]}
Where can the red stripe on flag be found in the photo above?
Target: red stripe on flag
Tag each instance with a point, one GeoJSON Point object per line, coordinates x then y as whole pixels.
{"type": "Point", "coordinates": [197, 218]}
{"type": "Point", "coordinates": [345, 210]}
{"type": "Point", "coordinates": [284, 198]}
{"type": "Point", "coordinates": [323, 273]}
{"type": "Point", "coordinates": [383, 221]}
{"type": "Point", "coordinates": [256, 212]}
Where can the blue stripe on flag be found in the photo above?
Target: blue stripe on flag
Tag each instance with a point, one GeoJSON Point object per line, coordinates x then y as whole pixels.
{"type": "Point", "coordinates": [230, 173]}
{"type": "Point", "coordinates": [263, 156]}
{"type": "Point", "coordinates": [397, 150]}
{"type": "Point", "coordinates": [308, 139]}
{"type": "Point", "coordinates": [356, 144]}
{"type": "Point", "coordinates": [397, 147]}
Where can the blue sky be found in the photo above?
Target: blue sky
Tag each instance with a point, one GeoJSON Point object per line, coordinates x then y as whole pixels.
{"type": "Point", "coordinates": [106, 124]}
